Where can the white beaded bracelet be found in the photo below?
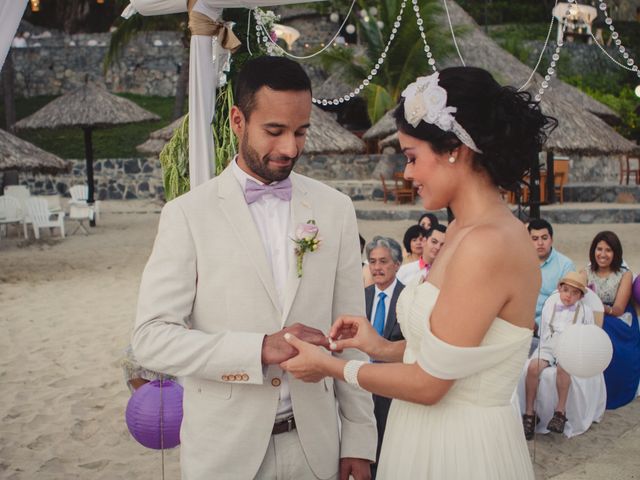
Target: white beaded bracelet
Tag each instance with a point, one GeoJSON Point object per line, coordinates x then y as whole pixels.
{"type": "Point", "coordinates": [350, 372]}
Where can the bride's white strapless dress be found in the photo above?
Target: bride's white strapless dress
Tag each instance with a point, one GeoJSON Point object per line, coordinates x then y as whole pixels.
{"type": "Point", "coordinates": [473, 432]}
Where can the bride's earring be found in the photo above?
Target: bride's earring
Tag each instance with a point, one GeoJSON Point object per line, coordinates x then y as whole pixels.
{"type": "Point", "coordinates": [452, 159]}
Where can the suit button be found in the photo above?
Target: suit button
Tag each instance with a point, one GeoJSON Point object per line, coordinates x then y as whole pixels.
{"type": "Point", "coordinates": [245, 377]}
{"type": "Point", "coordinates": [224, 378]}
{"type": "Point", "coordinates": [276, 382]}
{"type": "Point", "coordinates": [238, 377]}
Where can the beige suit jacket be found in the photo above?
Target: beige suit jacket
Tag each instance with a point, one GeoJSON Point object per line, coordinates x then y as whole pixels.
{"type": "Point", "coordinates": [207, 298]}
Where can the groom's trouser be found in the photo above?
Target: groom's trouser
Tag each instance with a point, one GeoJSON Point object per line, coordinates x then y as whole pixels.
{"type": "Point", "coordinates": [285, 460]}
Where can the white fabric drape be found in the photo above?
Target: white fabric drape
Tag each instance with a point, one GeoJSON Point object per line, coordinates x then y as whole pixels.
{"type": "Point", "coordinates": [156, 7]}
{"type": "Point", "coordinates": [203, 82]}
{"type": "Point", "coordinates": [11, 12]}
{"type": "Point", "coordinates": [165, 7]}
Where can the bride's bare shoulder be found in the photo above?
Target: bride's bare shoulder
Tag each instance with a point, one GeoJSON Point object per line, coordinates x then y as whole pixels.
{"type": "Point", "coordinates": [500, 241]}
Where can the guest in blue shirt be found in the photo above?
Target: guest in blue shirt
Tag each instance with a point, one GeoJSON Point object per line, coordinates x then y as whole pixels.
{"type": "Point", "coordinates": [553, 264]}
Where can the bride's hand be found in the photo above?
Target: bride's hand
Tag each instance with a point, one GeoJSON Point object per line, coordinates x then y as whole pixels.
{"type": "Point", "coordinates": [355, 332]}
{"type": "Point", "coordinates": [311, 362]}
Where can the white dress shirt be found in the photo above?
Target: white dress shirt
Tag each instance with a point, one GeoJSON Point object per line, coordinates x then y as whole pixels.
{"type": "Point", "coordinates": [387, 301]}
{"type": "Point", "coordinates": [411, 272]}
{"type": "Point", "coordinates": [272, 216]}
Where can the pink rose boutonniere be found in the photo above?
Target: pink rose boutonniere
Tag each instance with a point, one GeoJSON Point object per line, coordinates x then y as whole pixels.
{"type": "Point", "coordinates": [306, 240]}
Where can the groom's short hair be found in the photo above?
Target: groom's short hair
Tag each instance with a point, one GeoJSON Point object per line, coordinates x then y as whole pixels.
{"type": "Point", "coordinates": [277, 73]}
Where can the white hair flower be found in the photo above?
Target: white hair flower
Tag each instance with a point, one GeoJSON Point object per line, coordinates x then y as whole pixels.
{"type": "Point", "coordinates": [426, 101]}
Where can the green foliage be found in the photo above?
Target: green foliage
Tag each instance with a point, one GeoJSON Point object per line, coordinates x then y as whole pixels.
{"type": "Point", "coordinates": [174, 159]}
{"type": "Point", "coordinates": [515, 38]}
{"type": "Point", "coordinates": [225, 142]}
{"type": "Point", "coordinates": [378, 102]}
{"type": "Point", "coordinates": [625, 103]}
{"type": "Point", "coordinates": [116, 142]}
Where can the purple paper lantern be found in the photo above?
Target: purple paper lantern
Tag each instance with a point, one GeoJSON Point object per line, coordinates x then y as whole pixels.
{"type": "Point", "coordinates": [154, 414]}
{"type": "Point", "coordinates": [635, 290]}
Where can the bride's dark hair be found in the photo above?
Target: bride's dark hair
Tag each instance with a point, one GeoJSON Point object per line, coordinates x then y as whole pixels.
{"type": "Point", "coordinates": [507, 125]}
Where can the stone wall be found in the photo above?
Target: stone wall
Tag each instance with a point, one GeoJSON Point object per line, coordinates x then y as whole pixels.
{"type": "Point", "coordinates": [60, 63]}
{"type": "Point", "coordinates": [599, 169]}
{"type": "Point", "coordinates": [129, 178]}
{"type": "Point", "coordinates": [356, 175]}
{"type": "Point", "coordinates": [115, 179]}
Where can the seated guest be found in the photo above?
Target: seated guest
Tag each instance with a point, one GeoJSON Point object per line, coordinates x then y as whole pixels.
{"type": "Point", "coordinates": [385, 256]}
{"type": "Point", "coordinates": [553, 264]}
{"type": "Point", "coordinates": [611, 281]}
{"type": "Point", "coordinates": [431, 245]}
{"type": "Point", "coordinates": [556, 316]}
{"type": "Point", "coordinates": [428, 220]}
{"type": "Point", "coordinates": [412, 242]}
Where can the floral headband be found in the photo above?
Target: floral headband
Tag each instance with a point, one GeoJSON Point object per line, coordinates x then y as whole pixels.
{"type": "Point", "coordinates": [426, 101]}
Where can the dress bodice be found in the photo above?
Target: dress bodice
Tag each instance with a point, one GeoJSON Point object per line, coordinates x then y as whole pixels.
{"type": "Point", "coordinates": [605, 287]}
{"type": "Point", "coordinates": [485, 375]}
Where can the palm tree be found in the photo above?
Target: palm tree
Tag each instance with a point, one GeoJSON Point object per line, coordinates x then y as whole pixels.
{"type": "Point", "coordinates": [405, 60]}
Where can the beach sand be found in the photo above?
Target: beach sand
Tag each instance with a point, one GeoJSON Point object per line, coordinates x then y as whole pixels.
{"type": "Point", "coordinates": [66, 311]}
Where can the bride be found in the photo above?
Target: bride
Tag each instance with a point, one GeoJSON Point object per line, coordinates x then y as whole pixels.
{"type": "Point", "coordinates": [468, 328]}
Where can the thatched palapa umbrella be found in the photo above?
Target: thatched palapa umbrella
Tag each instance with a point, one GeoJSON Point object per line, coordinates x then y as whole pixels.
{"type": "Point", "coordinates": [89, 107]}
{"type": "Point", "coordinates": [324, 136]}
{"type": "Point", "coordinates": [159, 138]}
{"type": "Point", "coordinates": [18, 154]}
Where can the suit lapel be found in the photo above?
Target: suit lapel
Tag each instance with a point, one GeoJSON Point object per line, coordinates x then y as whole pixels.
{"type": "Point", "coordinates": [368, 301]}
{"type": "Point", "coordinates": [301, 212]}
{"type": "Point", "coordinates": [236, 210]}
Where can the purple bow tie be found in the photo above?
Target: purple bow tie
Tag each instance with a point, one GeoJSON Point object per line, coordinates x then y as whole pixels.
{"type": "Point", "coordinates": [253, 191]}
{"type": "Point", "coordinates": [561, 307]}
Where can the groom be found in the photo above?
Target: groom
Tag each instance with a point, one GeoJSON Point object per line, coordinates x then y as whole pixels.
{"type": "Point", "coordinates": [222, 287]}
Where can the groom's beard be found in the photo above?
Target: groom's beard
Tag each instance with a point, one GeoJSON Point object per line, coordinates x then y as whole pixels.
{"type": "Point", "coordinates": [264, 167]}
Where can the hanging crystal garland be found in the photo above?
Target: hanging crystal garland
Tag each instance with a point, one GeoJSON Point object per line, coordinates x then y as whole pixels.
{"type": "Point", "coordinates": [551, 71]}
{"type": "Point", "coordinates": [356, 91]}
{"type": "Point", "coordinates": [272, 47]}
{"type": "Point", "coordinates": [630, 62]}
{"type": "Point", "coordinates": [420, 22]}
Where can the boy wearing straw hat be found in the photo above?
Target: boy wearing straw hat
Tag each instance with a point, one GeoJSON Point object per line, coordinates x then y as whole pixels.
{"type": "Point", "coordinates": [556, 316]}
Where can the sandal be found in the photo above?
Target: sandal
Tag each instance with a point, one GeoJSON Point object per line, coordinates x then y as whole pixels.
{"type": "Point", "coordinates": [529, 423]}
{"type": "Point", "coordinates": [556, 424]}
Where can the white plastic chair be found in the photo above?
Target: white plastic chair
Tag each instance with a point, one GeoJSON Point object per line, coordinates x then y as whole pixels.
{"type": "Point", "coordinates": [41, 217]}
{"type": "Point", "coordinates": [54, 203]}
{"type": "Point", "coordinates": [20, 193]}
{"type": "Point", "coordinates": [79, 196]}
{"type": "Point", "coordinates": [10, 212]}
{"type": "Point", "coordinates": [587, 396]}
{"type": "Point", "coordinates": [80, 213]}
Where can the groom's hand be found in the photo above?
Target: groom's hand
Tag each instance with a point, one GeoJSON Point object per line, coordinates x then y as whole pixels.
{"type": "Point", "coordinates": [275, 349]}
{"type": "Point", "coordinates": [358, 468]}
